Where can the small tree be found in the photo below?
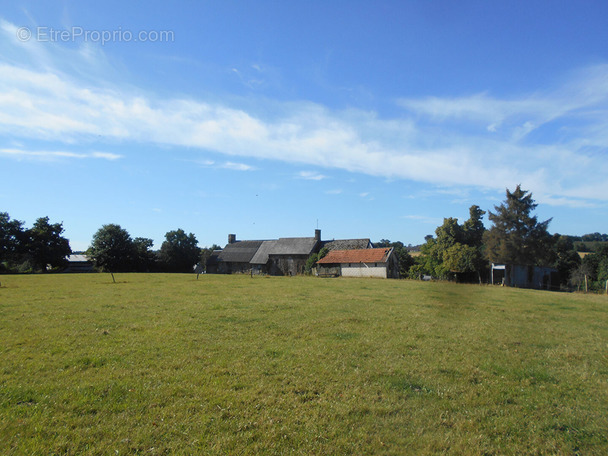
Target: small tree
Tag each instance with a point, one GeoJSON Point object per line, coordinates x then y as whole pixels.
{"type": "Point", "coordinates": [312, 259]}
{"type": "Point", "coordinates": [112, 249]}
{"type": "Point", "coordinates": [464, 260]}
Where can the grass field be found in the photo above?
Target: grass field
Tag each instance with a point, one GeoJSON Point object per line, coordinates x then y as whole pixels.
{"type": "Point", "coordinates": [167, 364]}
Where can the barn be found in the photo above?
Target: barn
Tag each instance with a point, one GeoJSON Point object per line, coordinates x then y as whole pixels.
{"type": "Point", "coordinates": [285, 256]}
{"type": "Point", "coordinates": [234, 258]}
{"type": "Point", "coordinates": [380, 262]}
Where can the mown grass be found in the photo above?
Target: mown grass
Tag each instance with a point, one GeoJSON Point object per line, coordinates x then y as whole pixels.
{"type": "Point", "coordinates": [167, 364]}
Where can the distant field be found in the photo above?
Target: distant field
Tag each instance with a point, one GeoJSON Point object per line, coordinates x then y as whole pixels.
{"type": "Point", "coordinates": [167, 364]}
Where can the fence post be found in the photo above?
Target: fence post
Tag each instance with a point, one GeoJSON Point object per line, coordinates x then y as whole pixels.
{"type": "Point", "coordinates": [586, 283]}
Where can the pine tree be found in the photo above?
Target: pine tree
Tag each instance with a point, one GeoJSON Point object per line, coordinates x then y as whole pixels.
{"type": "Point", "coordinates": [517, 236]}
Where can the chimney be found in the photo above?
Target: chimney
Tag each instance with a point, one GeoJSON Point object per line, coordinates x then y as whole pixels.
{"type": "Point", "coordinates": [317, 235]}
{"type": "Point", "coordinates": [231, 238]}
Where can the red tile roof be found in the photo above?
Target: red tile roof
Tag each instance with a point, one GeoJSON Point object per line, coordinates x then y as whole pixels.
{"type": "Point", "coordinates": [356, 256]}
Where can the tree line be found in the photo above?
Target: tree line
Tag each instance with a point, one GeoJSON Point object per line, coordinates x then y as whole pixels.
{"type": "Point", "coordinates": [516, 236]}
{"type": "Point", "coordinates": [461, 252]}
{"type": "Point", "coordinates": [34, 249]}
{"type": "Point", "coordinates": [42, 248]}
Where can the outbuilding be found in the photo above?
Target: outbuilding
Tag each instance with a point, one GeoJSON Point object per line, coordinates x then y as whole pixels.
{"type": "Point", "coordinates": [525, 276]}
{"type": "Point", "coordinates": [78, 263]}
{"type": "Point", "coordinates": [381, 262]}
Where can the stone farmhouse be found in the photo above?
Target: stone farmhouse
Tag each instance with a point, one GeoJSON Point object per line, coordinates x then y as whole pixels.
{"type": "Point", "coordinates": [283, 256]}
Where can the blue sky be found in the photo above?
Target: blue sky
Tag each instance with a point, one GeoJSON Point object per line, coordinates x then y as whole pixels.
{"type": "Point", "coordinates": [266, 119]}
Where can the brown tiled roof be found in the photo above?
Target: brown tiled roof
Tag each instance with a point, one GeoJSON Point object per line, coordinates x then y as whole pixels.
{"type": "Point", "coordinates": [356, 256]}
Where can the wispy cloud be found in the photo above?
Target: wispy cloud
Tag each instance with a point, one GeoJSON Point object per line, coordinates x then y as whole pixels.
{"type": "Point", "coordinates": [225, 165]}
{"type": "Point", "coordinates": [336, 191]}
{"type": "Point", "coordinates": [237, 166]}
{"type": "Point", "coordinates": [311, 175]}
{"type": "Point", "coordinates": [46, 155]}
{"type": "Point", "coordinates": [551, 142]}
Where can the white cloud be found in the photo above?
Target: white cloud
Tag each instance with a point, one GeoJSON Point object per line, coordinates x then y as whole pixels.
{"type": "Point", "coordinates": [237, 166]}
{"type": "Point", "coordinates": [105, 155]}
{"type": "Point", "coordinates": [478, 141]}
{"type": "Point", "coordinates": [568, 202]}
{"type": "Point", "coordinates": [45, 155]}
{"type": "Point", "coordinates": [311, 175]}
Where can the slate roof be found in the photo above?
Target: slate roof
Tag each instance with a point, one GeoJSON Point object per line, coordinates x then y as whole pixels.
{"type": "Point", "coordinates": [261, 256]}
{"type": "Point", "coordinates": [294, 246]}
{"type": "Point", "coordinates": [284, 246]}
{"type": "Point", "coordinates": [347, 244]}
{"type": "Point", "coordinates": [357, 256]}
{"type": "Point", "coordinates": [239, 251]}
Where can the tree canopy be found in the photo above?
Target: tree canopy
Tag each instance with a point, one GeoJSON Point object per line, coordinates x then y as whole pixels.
{"type": "Point", "coordinates": [517, 237]}
{"type": "Point", "coordinates": [456, 249]}
{"type": "Point", "coordinates": [33, 249]}
{"type": "Point", "coordinates": [12, 237]}
{"type": "Point", "coordinates": [180, 252]}
{"type": "Point", "coordinates": [45, 244]}
{"type": "Point", "coordinates": [112, 249]}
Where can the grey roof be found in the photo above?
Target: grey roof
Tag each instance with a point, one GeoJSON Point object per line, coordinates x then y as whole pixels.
{"type": "Point", "coordinates": [261, 256]}
{"type": "Point", "coordinates": [347, 244]}
{"type": "Point", "coordinates": [284, 246]}
{"type": "Point", "coordinates": [294, 246]}
{"type": "Point", "coordinates": [77, 258]}
{"type": "Point", "coordinates": [239, 251]}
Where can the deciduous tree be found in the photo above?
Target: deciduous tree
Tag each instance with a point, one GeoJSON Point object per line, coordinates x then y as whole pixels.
{"type": "Point", "coordinates": [112, 249]}
{"type": "Point", "coordinates": [456, 249]}
{"type": "Point", "coordinates": [46, 245]}
{"type": "Point", "coordinates": [144, 257]}
{"type": "Point", "coordinates": [179, 252]}
{"type": "Point", "coordinates": [12, 238]}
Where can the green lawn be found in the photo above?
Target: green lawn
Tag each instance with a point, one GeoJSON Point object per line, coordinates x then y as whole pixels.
{"type": "Point", "coordinates": [167, 364]}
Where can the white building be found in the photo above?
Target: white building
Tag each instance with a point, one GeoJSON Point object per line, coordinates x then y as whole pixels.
{"type": "Point", "coordinates": [382, 263]}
